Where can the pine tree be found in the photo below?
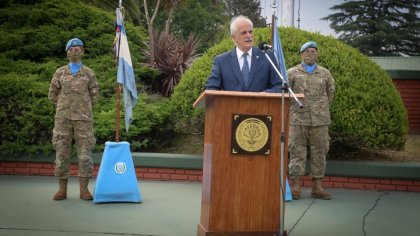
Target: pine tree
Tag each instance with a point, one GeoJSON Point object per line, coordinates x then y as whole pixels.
{"type": "Point", "coordinates": [378, 27]}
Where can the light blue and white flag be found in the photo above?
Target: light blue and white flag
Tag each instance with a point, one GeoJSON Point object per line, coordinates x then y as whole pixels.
{"type": "Point", "coordinates": [125, 75]}
{"type": "Point", "coordinates": [278, 51]}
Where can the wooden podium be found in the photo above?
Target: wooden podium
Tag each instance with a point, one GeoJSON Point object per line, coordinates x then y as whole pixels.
{"type": "Point", "coordinates": [240, 188]}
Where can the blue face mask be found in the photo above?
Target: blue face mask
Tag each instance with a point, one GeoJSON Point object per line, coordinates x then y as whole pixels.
{"type": "Point", "coordinates": [309, 68]}
{"type": "Point", "coordinates": [75, 67]}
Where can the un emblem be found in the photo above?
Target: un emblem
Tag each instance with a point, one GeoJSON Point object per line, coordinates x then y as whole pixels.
{"type": "Point", "coordinates": [251, 134]}
{"type": "Point", "coordinates": [120, 167]}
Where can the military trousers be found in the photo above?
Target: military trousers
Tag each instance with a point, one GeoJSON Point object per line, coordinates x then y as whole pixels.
{"type": "Point", "coordinates": [304, 140]}
{"type": "Point", "coordinates": [64, 132]}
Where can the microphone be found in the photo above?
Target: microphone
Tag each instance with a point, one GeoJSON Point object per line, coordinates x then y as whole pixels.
{"type": "Point", "coordinates": [264, 46]}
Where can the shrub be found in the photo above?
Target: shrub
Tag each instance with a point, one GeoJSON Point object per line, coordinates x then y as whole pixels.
{"type": "Point", "coordinates": [367, 111]}
{"type": "Point", "coordinates": [26, 115]}
{"type": "Point", "coordinates": [152, 123]}
{"type": "Point", "coordinates": [172, 56]}
{"type": "Point", "coordinates": [32, 39]}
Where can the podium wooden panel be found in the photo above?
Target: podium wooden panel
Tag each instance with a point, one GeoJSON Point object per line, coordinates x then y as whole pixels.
{"type": "Point", "coordinates": [240, 193]}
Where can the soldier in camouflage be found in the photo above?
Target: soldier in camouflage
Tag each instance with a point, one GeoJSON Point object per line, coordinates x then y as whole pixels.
{"type": "Point", "coordinates": [308, 130]}
{"type": "Point", "coordinates": [74, 89]}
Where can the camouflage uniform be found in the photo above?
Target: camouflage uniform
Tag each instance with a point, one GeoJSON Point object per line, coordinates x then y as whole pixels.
{"type": "Point", "coordinates": [73, 97]}
{"type": "Point", "coordinates": [309, 125]}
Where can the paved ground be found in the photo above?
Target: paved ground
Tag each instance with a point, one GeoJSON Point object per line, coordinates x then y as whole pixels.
{"type": "Point", "coordinates": [173, 209]}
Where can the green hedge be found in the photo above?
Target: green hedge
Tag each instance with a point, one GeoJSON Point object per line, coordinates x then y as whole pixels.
{"type": "Point", "coordinates": [33, 35]}
{"type": "Point", "coordinates": [367, 111]}
{"type": "Point", "coordinates": [26, 115]}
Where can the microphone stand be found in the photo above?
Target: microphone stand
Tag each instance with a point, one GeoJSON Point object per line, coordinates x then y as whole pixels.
{"type": "Point", "coordinates": [282, 141]}
{"type": "Point", "coordinates": [283, 82]}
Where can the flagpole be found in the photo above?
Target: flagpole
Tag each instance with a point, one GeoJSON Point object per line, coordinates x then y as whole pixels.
{"type": "Point", "coordinates": [273, 6]}
{"type": "Point", "coordinates": [272, 29]}
{"type": "Point", "coordinates": [282, 232]}
{"type": "Point", "coordinates": [118, 98]}
{"type": "Point", "coordinates": [118, 101]}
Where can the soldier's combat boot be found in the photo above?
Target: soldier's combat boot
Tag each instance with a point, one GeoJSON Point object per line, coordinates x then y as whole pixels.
{"type": "Point", "coordinates": [62, 192]}
{"type": "Point", "coordinates": [318, 191]}
{"type": "Point", "coordinates": [296, 188]}
{"type": "Point", "coordinates": [84, 191]}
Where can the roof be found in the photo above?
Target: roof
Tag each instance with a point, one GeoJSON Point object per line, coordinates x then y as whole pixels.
{"type": "Point", "coordinates": [398, 63]}
{"type": "Point", "coordinates": [400, 67]}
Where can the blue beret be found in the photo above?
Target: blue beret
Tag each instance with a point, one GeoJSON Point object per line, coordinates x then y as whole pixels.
{"type": "Point", "coordinates": [74, 42]}
{"type": "Point", "coordinates": [307, 45]}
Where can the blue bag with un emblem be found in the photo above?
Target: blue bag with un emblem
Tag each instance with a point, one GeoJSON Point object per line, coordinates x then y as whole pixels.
{"type": "Point", "coordinates": [116, 180]}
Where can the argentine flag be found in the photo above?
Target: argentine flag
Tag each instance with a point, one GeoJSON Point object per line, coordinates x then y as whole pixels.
{"type": "Point", "coordinates": [125, 75]}
{"type": "Point", "coordinates": [278, 51]}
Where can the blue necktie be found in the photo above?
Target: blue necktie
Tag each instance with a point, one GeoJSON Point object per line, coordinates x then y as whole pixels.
{"type": "Point", "coordinates": [245, 70]}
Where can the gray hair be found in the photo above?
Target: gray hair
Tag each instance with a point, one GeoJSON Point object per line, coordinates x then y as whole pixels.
{"type": "Point", "coordinates": [235, 20]}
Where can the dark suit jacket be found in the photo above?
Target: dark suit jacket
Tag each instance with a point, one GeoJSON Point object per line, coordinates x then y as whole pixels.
{"type": "Point", "coordinates": [226, 73]}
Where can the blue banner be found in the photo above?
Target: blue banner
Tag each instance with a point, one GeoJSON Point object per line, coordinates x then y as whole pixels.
{"type": "Point", "coordinates": [278, 51]}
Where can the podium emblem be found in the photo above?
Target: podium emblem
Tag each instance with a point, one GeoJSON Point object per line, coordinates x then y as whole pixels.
{"type": "Point", "coordinates": [251, 134]}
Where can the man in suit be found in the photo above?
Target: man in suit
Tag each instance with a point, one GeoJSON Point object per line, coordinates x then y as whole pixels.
{"type": "Point", "coordinates": [245, 68]}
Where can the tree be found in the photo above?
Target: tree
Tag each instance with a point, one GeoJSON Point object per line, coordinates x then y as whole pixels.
{"type": "Point", "coordinates": [378, 27]}
{"type": "Point", "coordinates": [151, 9]}
{"type": "Point", "coordinates": [171, 4]}
{"type": "Point", "coordinates": [132, 9]}
{"type": "Point", "coordinates": [205, 18]}
{"type": "Point", "coordinates": [249, 8]}
{"type": "Point", "coordinates": [150, 20]}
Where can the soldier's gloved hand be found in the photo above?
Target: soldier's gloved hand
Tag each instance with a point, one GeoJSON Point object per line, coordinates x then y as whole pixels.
{"type": "Point", "coordinates": [285, 88]}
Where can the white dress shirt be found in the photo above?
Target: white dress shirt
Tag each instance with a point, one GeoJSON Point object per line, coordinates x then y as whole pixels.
{"type": "Point", "coordinates": [239, 53]}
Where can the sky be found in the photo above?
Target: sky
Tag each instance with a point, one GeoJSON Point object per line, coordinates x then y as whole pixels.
{"type": "Point", "coordinates": [310, 13]}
